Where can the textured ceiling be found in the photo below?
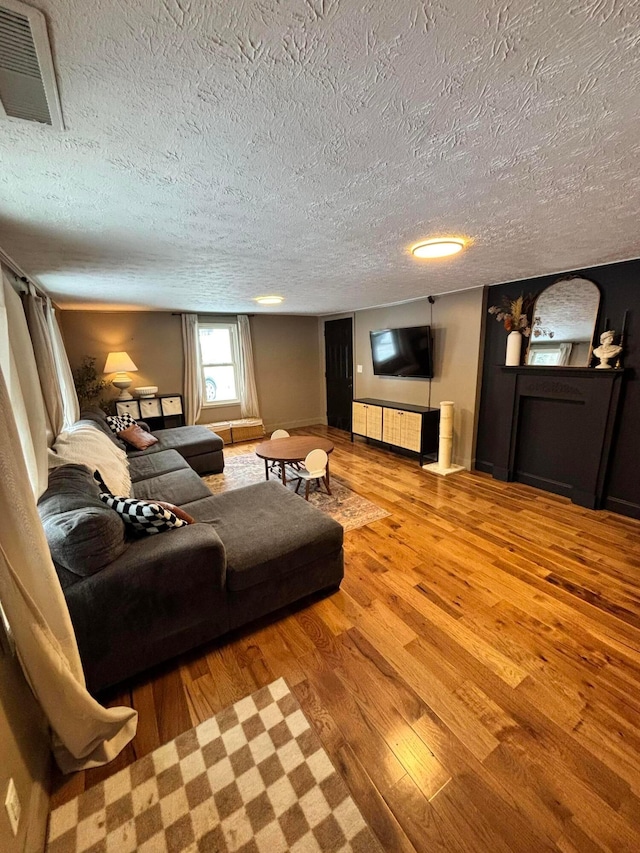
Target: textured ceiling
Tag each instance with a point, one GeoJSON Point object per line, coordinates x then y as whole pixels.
{"type": "Point", "coordinates": [216, 151]}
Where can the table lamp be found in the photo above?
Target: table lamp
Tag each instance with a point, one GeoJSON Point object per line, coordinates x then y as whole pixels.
{"type": "Point", "coordinates": [119, 363]}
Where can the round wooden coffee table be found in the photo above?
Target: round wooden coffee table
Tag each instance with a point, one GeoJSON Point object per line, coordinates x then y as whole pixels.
{"type": "Point", "coordinates": [292, 449]}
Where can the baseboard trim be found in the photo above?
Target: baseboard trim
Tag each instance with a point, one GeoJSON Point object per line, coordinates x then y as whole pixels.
{"type": "Point", "coordinates": [38, 812]}
{"type": "Point", "coordinates": [269, 427]}
{"type": "Point", "coordinates": [622, 507]}
{"type": "Point", "coordinates": [483, 467]}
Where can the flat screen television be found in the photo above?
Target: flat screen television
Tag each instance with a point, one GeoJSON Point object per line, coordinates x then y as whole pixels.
{"type": "Point", "coordinates": [403, 352]}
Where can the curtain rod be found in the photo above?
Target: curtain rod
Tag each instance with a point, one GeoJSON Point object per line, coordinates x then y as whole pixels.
{"type": "Point", "coordinates": [20, 274]}
{"type": "Point", "coordinates": [209, 313]}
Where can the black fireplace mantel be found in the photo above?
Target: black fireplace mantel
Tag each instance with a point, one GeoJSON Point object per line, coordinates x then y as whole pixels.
{"type": "Point", "coordinates": [554, 428]}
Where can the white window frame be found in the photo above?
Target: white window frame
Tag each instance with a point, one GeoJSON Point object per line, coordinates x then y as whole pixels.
{"type": "Point", "coordinates": [235, 353]}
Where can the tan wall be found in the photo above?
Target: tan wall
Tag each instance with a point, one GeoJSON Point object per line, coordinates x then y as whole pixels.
{"type": "Point", "coordinates": [24, 756]}
{"type": "Point", "coordinates": [285, 352]}
{"type": "Point", "coordinates": [152, 339]}
{"type": "Point", "coordinates": [456, 331]}
{"type": "Point", "coordinates": [286, 360]}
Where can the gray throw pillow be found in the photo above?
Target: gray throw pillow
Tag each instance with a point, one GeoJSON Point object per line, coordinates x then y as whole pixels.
{"type": "Point", "coordinates": [83, 534]}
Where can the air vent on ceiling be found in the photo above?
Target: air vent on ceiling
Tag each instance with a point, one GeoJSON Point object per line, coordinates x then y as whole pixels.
{"type": "Point", "coordinates": [27, 77]}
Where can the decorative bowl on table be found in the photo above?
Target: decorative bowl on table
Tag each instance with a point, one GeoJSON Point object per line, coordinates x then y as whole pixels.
{"type": "Point", "coordinates": [146, 390]}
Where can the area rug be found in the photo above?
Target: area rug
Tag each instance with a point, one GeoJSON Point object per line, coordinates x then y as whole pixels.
{"type": "Point", "coordinates": [252, 779]}
{"type": "Point", "coordinates": [347, 507]}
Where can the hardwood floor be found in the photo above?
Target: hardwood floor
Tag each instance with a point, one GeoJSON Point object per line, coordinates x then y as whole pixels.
{"type": "Point", "coordinates": [476, 680]}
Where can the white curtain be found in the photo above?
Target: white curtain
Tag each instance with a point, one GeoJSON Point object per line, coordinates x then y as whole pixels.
{"type": "Point", "coordinates": [565, 354]}
{"type": "Point", "coordinates": [249, 395]}
{"type": "Point", "coordinates": [84, 733]}
{"type": "Point", "coordinates": [192, 368]}
{"type": "Point", "coordinates": [70, 405]}
{"type": "Point", "coordinates": [34, 309]}
{"type": "Point", "coordinates": [23, 385]}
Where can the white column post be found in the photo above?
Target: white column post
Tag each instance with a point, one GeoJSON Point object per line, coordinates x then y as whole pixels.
{"type": "Point", "coordinates": [443, 466]}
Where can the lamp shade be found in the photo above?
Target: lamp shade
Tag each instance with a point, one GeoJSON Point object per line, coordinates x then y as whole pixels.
{"type": "Point", "coordinates": [119, 362]}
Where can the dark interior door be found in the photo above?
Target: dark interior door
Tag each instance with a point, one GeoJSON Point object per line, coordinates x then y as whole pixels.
{"type": "Point", "coordinates": [338, 344]}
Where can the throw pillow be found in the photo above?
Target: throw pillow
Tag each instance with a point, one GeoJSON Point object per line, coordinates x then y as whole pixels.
{"type": "Point", "coordinates": [176, 510]}
{"type": "Point", "coordinates": [144, 516]}
{"type": "Point", "coordinates": [118, 423]}
{"type": "Point", "coordinates": [137, 437]}
{"type": "Point", "coordinates": [97, 476]}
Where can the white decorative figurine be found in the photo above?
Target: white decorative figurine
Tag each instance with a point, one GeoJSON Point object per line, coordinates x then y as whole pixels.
{"type": "Point", "coordinates": [607, 350]}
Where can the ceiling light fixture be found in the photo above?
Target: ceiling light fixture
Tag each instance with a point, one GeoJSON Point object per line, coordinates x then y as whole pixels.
{"type": "Point", "coordinates": [269, 300]}
{"type": "Point", "coordinates": [440, 247]}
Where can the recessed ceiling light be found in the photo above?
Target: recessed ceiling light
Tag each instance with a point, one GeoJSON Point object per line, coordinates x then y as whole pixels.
{"type": "Point", "coordinates": [269, 300]}
{"type": "Point", "coordinates": [438, 248]}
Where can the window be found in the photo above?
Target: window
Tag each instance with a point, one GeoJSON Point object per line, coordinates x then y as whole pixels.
{"type": "Point", "coordinates": [220, 372]}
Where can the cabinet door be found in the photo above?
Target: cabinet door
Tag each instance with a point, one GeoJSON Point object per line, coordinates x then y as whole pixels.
{"type": "Point", "coordinates": [391, 426]}
{"type": "Point", "coordinates": [128, 407]}
{"type": "Point", "coordinates": [374, 422]}
{"type": "Point", "coordinates": [359, 419]}
{"type": "Point", "coordinates": [150, 408]}
{"type": "Point", "coordinates": [411, 426]}
{"type": "Point", "coordinates": [171, 405]}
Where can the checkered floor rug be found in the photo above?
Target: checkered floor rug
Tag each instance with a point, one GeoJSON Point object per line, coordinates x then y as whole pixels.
{"type": "Point", "coordinates": [252, 779]}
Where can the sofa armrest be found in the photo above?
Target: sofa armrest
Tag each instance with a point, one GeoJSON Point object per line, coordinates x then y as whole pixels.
{"type": "Point", "coordinates": [144, 425]}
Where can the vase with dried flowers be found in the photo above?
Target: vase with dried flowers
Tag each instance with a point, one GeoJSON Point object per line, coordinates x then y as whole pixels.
{"type": "Point", "coordinates": [514, 314]}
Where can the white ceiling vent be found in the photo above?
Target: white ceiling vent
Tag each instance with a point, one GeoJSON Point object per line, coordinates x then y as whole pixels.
{"type": "Point", "coordinates": [27, 78]}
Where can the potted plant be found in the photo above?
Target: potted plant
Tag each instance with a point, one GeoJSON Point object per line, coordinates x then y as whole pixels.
{"type": "Point", "coordinates": [89, 386]}
{"type": "Point", "coordinates": [514, 314]}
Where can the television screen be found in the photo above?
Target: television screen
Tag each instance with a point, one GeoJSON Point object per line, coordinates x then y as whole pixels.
{"type": "Point", "coordinates": [403, 352]}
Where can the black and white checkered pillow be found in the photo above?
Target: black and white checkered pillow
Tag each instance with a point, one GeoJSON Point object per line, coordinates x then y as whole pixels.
{"type": "Point", "coordinates": [119, 422]}
{"type": "Point", "coordinates": [143, 516]}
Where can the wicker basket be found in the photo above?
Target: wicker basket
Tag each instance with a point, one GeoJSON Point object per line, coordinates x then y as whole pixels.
{"type": "Point", "coordinates": [223, 429]}
{"type": "Point", "coordinates": [246, 429]}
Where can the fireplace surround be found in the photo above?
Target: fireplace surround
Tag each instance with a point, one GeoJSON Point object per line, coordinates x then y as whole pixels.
{"type": "Point", "coordinates": [554, 428]}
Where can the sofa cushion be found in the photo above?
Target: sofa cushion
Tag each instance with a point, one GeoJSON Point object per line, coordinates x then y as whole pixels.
{"type": "Point", "coordinates": [267, 532]}
{"type": "Point", "coordinates": [177, 487]}
{"type": "Point", "coordinates": [98, 417]}
{"type": "Point", "coordinates": [188, 441]}
{"type": "Point", "coordinates": [152, 465]}
{"type": "Point", "coordinates": [83, 534]}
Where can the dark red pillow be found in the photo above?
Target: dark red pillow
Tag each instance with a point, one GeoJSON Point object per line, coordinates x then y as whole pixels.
{"type": "Point", "coordinates": [137, 437]}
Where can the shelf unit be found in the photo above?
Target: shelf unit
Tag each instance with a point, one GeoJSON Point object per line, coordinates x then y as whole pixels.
{"type": "Point", "coordinates": [161, 412]}
{"type": "Point", "coordinates": [398, 425]}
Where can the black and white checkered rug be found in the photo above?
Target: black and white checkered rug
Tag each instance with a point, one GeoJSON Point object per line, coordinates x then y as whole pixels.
{"type": "Point", "coordinates": [252, 779]}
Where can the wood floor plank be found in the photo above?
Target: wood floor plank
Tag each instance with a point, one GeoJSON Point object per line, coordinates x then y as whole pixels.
{"type": "Point", "coordinates": [476, 680]}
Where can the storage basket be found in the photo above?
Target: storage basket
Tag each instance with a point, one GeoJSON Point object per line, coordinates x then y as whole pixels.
{"type": "Point", "coordinates": [223, 429]}
{"type": "Point", "coordinates": [247, 428]}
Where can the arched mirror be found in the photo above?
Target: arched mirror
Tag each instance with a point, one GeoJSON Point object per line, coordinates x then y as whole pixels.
{"type": "Point", "coordinates": [563, 323]}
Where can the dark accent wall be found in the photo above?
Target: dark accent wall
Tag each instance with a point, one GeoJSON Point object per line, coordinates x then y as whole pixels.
{"type": "Point", "coordinates": [620, 290]}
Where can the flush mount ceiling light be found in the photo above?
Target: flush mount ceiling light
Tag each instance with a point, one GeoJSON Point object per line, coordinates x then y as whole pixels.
{"type": "Point", "coordinates": [269, 300]}
{"type": "Point", "coordinates": [440, 247]}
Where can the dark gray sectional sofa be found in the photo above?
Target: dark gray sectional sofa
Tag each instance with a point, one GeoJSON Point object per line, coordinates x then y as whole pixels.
{"type": "Point", "coordinates": [251, 552]}
{"type": "Point", "coordinates": [198, 445]}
